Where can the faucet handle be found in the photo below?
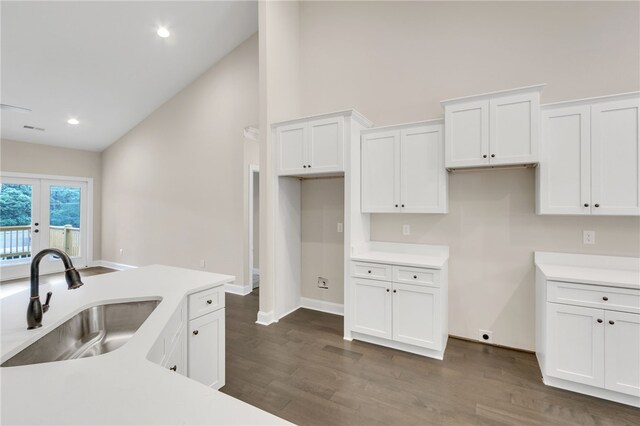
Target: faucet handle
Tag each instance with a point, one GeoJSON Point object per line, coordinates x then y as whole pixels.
{"type": "Point", "coordinates": [45, 307]}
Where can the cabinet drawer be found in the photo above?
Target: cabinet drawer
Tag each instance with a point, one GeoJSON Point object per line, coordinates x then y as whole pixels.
{"type": "Point", "coordinates": [410, 275]}
{"type": "Point", "coordinates": [206, 301]}
{"type": "Point", "coordinates": [374, 271]}
{"type": "Point", "coordinates": [612, 298]}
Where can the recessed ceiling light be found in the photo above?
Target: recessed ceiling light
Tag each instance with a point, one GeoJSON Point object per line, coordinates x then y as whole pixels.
{"type": "Point", "coordinates": [73, 121]}
{"type": "Point", "coordinates": [163, 32]}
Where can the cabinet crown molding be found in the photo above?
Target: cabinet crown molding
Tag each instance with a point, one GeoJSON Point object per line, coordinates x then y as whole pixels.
{"type": "Point", "coordinates": [354, 114]}
{"type": "Point", "coordinates": [589, 101]}
{"type": "Point", "coordinates": [527, 89]}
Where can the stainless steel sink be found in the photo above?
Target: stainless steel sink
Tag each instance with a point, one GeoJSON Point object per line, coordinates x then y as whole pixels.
{"type": "Point", "coordinates": [94, 331]}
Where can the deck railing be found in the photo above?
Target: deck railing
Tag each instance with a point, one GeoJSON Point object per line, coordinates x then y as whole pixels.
{"type": "Point", "coordinates": [15, 241]}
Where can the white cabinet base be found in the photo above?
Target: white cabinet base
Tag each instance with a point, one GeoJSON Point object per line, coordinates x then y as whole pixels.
{"type": "Point", "coordinates": [439, 354]}
{"type": "Point", "coordinates": [591, 390]}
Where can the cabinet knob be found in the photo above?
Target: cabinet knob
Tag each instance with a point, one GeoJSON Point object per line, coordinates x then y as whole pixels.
{"type": "Point", "coordinates": [599, 320]}
{"type": "Point", "coordinates": [304, 167]}
{"type": "Point", "coordinates": [36, 231]}
{"type": "Point", "coordinates": [174, 368]}
{"type": "Point", "coordinates": [195, 332]}
{"type": "Point", "coordinates": [209, 302]}
{"type": "Point", "coordinates": [387, 290]}
{"type": "Point", "coordinates": [484, 156]}
{"type": "Point", "coordinates": [605, 298]}
{"type": "Point", "coordinates": [586, 204]}
{"type": "Point", "coordinates": [597, 205]}
{"type": "Point", "coordinates": [493, 155]}
{"type": "Point", "coordinates": [368, 272]}
{"type": "Point", "coordinates": [402, 205]}
{"type": "Point", "coordinates": [415, 277]}
{"type": "Point", "coordinates": [394, 291]}
{"type": "Point", "coordinates": [612, 322]}
{"type": "Point", "coordinates": [308, 166]}
{"type": "Point", "coordinates": [396, 205]}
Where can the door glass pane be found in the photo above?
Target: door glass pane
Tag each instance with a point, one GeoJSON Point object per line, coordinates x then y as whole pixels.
{"type": "Point", "coordinates": [64, 219]}
{"type": "Point", "coordinates": [15, 222]}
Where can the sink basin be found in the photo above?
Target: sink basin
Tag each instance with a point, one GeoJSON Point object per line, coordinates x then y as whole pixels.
{"type": "Point", "coordinates": [92, 332]}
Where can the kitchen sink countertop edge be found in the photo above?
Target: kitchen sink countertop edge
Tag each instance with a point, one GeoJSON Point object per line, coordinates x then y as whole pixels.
{"type": "Point", "coordinates": [119, 387]}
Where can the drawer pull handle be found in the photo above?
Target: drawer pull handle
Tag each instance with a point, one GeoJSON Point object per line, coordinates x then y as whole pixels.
{"type": "Point", "coordinates": [605, 298]}
{"type": "Point", "coordinates": [209, 302]}
{"type": "Point", "coordinates": [599, 320]}
{"type": "Point", "coordinates": [612, 322]}
{"type": "Point", "coordinates": [195, 332]}
{"type": "Point", "coordinates": [415, 277]}
{"type": "Point", "coordinates": [174, 368]}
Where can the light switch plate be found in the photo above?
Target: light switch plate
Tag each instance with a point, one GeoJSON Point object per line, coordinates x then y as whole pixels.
{"type": "Point", "coordinates": [340, 228]}
{"type": "Point", "coordinates": [406, 230]}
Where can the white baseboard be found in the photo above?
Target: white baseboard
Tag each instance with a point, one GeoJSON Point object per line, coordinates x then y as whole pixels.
{"type": "Point", "coordinates": [112, 265]}
{"type": "Point", "coordinates": [322, 306]}
{"type": "Point", "coordinates": [265, 318]}
{"type": "Point", "coordinates": [241, 290]}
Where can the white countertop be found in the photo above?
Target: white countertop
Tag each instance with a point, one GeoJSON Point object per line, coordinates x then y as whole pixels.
{"type": "Point", "coordinates": [120, 387]}
{"type": "Point", "coordinates": [610, 271]}
{"type": "Point", "coordinates": [417, 255]}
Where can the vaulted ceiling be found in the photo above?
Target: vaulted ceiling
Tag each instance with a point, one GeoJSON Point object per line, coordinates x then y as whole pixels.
{"type": "Point", "coordinates": [104, 64]}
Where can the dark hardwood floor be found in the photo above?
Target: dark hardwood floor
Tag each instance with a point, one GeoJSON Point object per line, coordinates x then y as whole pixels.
{"type": "Point", "coordinates": [302, 370]}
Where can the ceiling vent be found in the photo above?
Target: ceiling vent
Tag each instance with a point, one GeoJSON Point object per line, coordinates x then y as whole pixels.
{"type": "Point", "coordinates": [40, 129]}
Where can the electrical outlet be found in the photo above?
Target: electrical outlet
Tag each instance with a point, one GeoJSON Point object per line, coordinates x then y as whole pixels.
{"type": "Point", "coordinates": [485, 336]}
{"type": "Point", "coordinates": [323, 283]}
{"type": "Point", "coordinates": [340, 227]}
{"type": "Point", "coordinates": [406, 230]}
{"type": "Point", "coordinates": [121, 252]}
{"type": "Point", "coordinates": [588, 237]}
{"type": "Point", "coordinates": [203, 264]}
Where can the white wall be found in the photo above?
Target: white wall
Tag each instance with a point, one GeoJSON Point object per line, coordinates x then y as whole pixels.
{"type": "Point", "coordinates": [279, 100]}
{"type": "Point", "coordinates": [174, 186]}
{"type": "Point", "coordinates": [256, 221]}
{"type": "Point", "coordinates": [394, 62]}
{"type": "Point", "coordinates": [26, 157]}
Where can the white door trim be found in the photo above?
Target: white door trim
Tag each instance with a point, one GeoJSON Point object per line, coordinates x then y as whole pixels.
{"type": "Point", "coordinates": [253, 168]}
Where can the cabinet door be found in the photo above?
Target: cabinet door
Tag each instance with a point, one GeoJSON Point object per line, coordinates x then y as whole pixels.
{"type": "Point", "coordinates": [423, 178]}
{"type": "Point", "coordinates": [326, 141]}
{"type": "Point", "coordinates": [380, 172]}
{"type": "Point", "coordinates": [467, 134]}
{"type": "Point", "coordinates": [565, 162]}
{"type": "Point", "coordinates": [177, 358]}
{"type": "Point", "coordinates": [514, 127]}
{"type": "Point", "coordinates": [291, 149]}
{"type": "Point", "coordinates": [575, 344]}
{"type": "Point", "coordinates": [371, 307]}
{"type": "Point", "coordinates": [417, 315]}
{"type": "Point", "coordinates": [622, 352]}
{"type": "Point", "coordinates": [615, 158]}
{"type": "Point", "coordinates": [207, 349]}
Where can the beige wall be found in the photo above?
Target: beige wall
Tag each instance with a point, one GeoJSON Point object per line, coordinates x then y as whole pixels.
{"type": "Point", "coordinates": [25, 157]}
{"type": "Point", "coordinates": [173, 187]}
{"type": "Point", "coordinates": [395, 61]}
{"type": "Point", "coordinates": [321, 209]}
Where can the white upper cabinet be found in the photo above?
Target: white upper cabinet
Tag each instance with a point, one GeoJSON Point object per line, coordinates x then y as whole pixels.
{"type": "Point", "coordinates": [494, 129]}
{"type": "Point", "coordinates": [590, 157]}
{"type": "Point", "coordinates": [403, 169]}
{"type": "Point", "coordinates": [314, 145]}
{"type": "Point", "coordinates": [615, 157]}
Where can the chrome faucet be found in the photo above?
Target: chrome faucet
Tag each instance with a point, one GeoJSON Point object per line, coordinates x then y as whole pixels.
{"type": "Point", "coordinates": [36, 309]}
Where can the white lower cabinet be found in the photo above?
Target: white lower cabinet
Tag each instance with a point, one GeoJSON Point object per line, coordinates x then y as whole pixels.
{"type": "Point", "coordinates": [406, 312]}
{"type": "Point", "coordinates": [193, 341]}
{"type": "Point", "coordinates": [206, 349]}
{"type": "Point", "coordinates": [586, 342]}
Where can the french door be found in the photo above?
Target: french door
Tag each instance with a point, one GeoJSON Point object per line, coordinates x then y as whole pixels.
{"type": "Point", "coordinates": [40, 213]}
